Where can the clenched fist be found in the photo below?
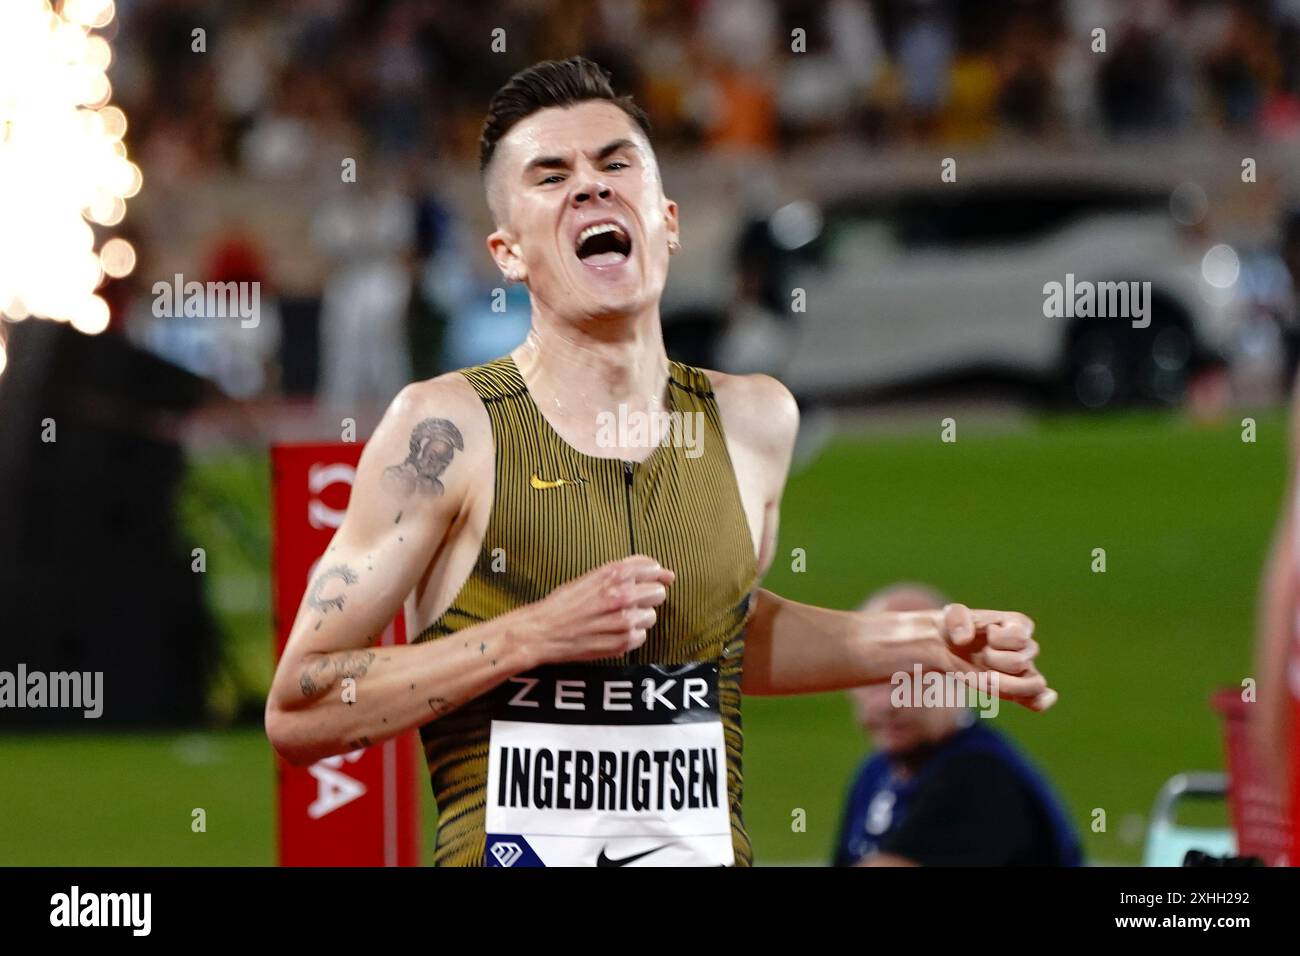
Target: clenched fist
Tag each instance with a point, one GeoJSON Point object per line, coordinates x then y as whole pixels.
{"type": "Point", "coordinates": [604, 613]}
{"type": "Point", "coordinates": [997, 642]}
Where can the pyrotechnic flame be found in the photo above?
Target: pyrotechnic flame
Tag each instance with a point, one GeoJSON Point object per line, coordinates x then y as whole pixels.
{"type": "Point", "coordinates": [62, 164]}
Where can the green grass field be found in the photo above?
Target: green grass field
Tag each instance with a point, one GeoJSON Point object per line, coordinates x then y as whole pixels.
{"type": "Point", "coordinates": [997, 519]}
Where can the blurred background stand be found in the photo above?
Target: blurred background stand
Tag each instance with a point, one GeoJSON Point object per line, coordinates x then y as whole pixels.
{"type": "Point", "coordinates": [94, 574]}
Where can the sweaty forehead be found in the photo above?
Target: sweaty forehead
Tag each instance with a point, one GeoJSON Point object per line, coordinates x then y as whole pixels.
{"type": "Point", "coordinates": [563, 131]}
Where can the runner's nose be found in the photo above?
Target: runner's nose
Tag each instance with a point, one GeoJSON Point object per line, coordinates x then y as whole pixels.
{"type": "Point", "coordinates": [592, 190]}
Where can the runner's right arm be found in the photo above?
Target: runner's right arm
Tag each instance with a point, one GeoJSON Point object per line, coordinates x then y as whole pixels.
{"type": "Point", "coordinates": [334, 691]}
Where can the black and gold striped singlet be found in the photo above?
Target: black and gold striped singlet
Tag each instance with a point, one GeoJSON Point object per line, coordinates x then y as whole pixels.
{"type": "Point", "coordinates": [558, 513]}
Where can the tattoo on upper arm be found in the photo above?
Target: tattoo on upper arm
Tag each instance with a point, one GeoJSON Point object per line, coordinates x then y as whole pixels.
{"type": "Point", "coordinates": [434, 442]}
{"type": "Point", "coordinates": [325, 595]}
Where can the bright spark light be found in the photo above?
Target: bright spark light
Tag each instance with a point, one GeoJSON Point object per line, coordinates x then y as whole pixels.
{"type": "Point", "coordinates": [62, 163]}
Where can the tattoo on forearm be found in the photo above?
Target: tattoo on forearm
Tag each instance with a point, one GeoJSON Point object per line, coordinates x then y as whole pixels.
{"type": "Point", "coordinates": [352, 664]}
{"type": "Point", "coordinates": [315, 676]}
{"type": "Point", "coordinates": [322, 673]}
{"type": "Point", "coordinates": [434, 442]}
{"type": "Point", "coordinates": [326, 593]}
{"type": "Point", "coordinates": [359, 743]}
{"type": "Point", "coordinates": [440, 705]}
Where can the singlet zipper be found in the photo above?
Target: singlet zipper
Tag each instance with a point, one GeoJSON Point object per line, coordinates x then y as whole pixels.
{"type": "Point", "coordinates": [627, 488]}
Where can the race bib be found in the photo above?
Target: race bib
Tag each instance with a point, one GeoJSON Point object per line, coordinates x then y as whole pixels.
{"type": "Point", "coordinates": [608, 766]}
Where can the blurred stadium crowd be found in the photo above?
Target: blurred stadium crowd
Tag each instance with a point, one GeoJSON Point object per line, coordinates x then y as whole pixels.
{"type": "Point", "coordinates": [410, 78]}
{"type": "Point", "coordinates": [364, 288]}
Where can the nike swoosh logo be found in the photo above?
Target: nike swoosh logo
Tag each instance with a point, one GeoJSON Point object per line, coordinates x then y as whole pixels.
{"type": "Point", "coordinates": [541, 484]}
{"type": "Point", "coordinates": [603, 860]}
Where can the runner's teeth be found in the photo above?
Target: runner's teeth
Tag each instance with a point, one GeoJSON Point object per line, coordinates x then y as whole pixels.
{"type": "Point", "coordinates": [597, 230]}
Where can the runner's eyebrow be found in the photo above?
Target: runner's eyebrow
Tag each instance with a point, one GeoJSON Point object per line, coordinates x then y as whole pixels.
{"type": "Point", "coordinates": [559, 162]}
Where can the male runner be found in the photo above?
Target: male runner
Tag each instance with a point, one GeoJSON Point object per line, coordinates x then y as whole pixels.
{"type": "Point", "coordinates": [585, 599]}
{"type": "Point", "coordinates": [1276, 715]}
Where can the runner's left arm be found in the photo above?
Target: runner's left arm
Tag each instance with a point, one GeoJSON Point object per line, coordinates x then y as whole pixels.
{"type": "Point", "coordinates": [793, 648]}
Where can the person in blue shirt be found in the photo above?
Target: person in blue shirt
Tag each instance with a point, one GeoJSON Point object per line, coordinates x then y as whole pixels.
{"type": "Point", "coordinates": [944, 788]}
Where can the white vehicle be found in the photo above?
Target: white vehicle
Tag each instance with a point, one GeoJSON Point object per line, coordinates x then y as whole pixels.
{"type": "Point", "coordinates": [928, 284]}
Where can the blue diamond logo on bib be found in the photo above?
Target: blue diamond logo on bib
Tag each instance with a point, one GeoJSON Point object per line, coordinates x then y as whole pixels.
{"type": "Point", "coordinates": [510, 849]}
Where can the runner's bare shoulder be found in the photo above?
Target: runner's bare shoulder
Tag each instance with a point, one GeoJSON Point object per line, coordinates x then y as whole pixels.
{"type": "Point", "coordinates": [434, 440]}
{"type": "Point", "coordinates": [757, 411]}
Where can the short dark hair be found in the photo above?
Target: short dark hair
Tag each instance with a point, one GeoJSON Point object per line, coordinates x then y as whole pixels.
{"type": "Point", "coordinates": [546, 84]}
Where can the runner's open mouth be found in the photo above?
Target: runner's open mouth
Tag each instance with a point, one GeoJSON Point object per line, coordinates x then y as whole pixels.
{"type": "Point", "coordinates": [603, 244]}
